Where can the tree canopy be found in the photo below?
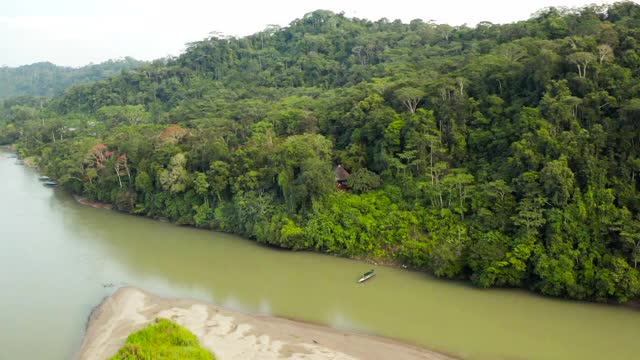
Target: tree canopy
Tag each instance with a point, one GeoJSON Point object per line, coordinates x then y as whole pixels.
{"type": "Point", "coordinates": [504, 154]}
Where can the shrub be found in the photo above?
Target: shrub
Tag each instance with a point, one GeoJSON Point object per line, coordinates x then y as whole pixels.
{"type": "Point", "coordinates": [162, 340]}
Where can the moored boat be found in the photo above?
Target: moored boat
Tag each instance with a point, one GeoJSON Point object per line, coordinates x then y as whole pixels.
{"type": "Point", "coordinates": [50, 183]}
{"type": "Point", "coordinates": [44, 178]}
{"type": "Point", "coordinates": [368, 275]}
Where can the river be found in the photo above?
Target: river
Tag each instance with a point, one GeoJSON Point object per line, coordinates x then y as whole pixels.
{"type": "Point", "coordinates": [56, 256]}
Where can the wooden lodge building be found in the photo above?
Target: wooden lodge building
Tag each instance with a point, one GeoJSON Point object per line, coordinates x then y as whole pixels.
{"type": "Point", "coordinates": [341, 178]}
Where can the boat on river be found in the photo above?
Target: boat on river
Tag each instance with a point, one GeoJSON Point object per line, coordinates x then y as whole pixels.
{"type": "Point", "coordinates": [44, 178]}
{"type": "Point", "coordinates": [368, 275]}
{"type": "Point", "coordinates": [50, 183]}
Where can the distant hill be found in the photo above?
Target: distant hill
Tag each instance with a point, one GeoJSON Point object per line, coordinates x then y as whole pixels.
{"type": "Point", "coordinates": [47, 79]}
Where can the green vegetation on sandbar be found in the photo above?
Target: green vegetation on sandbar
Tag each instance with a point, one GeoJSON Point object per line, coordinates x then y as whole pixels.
{"type": "Point", "coordinates": [163, 340]}
{"type": "Point", "coordinates": [508, 155]}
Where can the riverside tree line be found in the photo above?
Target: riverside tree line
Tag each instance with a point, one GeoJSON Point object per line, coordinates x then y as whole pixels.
{"type": "Point", "coordinates": [505, 154]}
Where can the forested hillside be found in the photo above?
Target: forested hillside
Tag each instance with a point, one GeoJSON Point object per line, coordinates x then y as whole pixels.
{"type": "Point", "coordinates": [505, 154]}
{"type": "Point", "coordinates": [47, 79]}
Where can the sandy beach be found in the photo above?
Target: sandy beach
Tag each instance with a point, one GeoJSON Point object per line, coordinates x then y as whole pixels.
{"type": "Point", "coordinates": [232, 335]}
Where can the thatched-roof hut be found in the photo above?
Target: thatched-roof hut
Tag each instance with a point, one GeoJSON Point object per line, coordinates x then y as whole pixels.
{"type": "Point", "coordinates": [341, 174]}
{"type": "Point", "coordinates": [341, 178]}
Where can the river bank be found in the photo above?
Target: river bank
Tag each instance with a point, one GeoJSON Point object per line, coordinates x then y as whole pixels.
{"type": "Point", "coordinates": [94, 204]}
{"type": "Point", "coordinates": [93, 248]}
{"type": "Point", "coordinates": [233, 335]}
{"type": "Point", "coordinates": [83, 200]}
{"type": "Point", "coordinates": [381, 258]}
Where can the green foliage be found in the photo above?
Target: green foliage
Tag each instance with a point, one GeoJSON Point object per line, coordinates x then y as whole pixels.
{"type": "Point", "coordinates": [175, 177]}
{"type": "Point", "coordinates": [494, 262]}
{"type": "Point", "coordinates": [504, 154]}
{"type": "Point", "coordinates": [364, 180]}
{"type": "Point", "coordinates": [162, 340]}
{"type": "Point", "coordinates": [358, 225]}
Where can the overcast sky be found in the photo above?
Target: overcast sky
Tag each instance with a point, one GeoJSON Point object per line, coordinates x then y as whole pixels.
{"type": "Point", "coordinates": [78, 32]}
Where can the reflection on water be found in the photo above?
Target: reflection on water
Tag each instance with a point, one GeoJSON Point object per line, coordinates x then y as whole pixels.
{"type": "Point", "coordinates": [56, 255]}
{"type": "Point", "coordinates": [337, 319]}
{"type": "Point", "coordinates": [264, 308]}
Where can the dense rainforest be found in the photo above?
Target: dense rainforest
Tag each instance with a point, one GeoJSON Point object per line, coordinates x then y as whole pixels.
{"type": "Point", "coordinates": [504, 154]}
{"type": "Point", "coordinates": [47, 79]}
